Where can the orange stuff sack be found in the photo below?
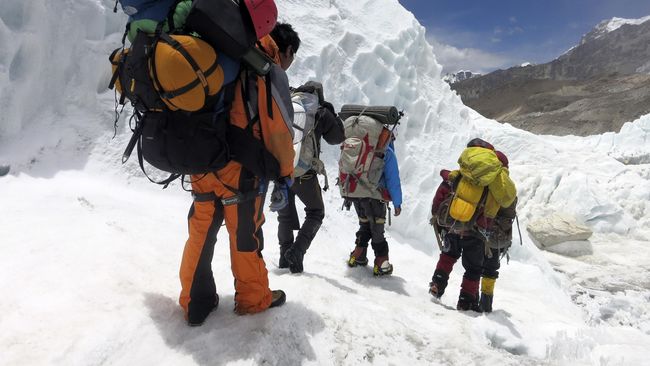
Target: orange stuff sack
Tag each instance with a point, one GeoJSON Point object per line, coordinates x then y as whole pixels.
{"type": "Point", "coordinates": [185, 72]}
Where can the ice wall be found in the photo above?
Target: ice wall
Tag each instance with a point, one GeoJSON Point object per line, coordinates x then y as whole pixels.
{"type": "Point", "coordinates": [53, 65]}
{"type": "Point", "coordinates": [376, 52]}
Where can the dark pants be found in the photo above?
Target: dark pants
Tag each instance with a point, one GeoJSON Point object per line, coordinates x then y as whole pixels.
{"type": "Point", "coordinates": [470, 249]}
{"type": "Point", "coordinates": [309, 192]}
{"type": "Point", "coordinates": [491, 265]}
{"type": "Point", "coordinates": [372, 218]}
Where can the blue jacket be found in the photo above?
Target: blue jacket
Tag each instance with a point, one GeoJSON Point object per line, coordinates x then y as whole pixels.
{"type": "Point", "coordinates": [390, 177]}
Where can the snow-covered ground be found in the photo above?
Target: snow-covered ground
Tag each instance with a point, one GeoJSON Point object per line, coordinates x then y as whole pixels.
{"type": "Point", "coordinates": [91, 250]}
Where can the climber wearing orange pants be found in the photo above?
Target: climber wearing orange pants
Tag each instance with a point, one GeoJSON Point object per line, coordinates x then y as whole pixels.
{"type": "Point", "coordinates": [261, 144]}
{"type": "Point", "coordinates": [243, 222]}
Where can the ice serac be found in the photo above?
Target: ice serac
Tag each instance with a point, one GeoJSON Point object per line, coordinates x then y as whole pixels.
{"type": "Point", "coordinates": [53, 67]}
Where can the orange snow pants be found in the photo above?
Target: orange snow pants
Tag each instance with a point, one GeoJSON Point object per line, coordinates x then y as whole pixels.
{"type": "Point", "coordinates": [230, 194]}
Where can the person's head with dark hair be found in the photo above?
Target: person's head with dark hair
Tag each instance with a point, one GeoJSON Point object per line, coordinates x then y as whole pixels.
{"type": "Point", "coordinates": [288, 42]}
{"type": "Point", "coordinates": [477, 142]}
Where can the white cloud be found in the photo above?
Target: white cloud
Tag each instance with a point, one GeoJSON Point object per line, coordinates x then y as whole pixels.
{"type": "Point", "coordinates": [454, 59]}
{"type": "Point", "coordinates": [498, 31]}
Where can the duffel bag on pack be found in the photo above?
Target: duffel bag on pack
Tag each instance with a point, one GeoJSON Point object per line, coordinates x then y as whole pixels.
{"type": "Point", "coordinates": [182, 73]}
{"type": "Point", "coordinates": [186, 72]}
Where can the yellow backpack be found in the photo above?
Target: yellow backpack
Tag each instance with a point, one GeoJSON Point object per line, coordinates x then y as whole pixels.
{"type": "Point", "coordinates": [481, 185]}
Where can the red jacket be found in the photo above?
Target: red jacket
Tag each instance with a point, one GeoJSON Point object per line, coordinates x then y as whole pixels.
{"type": "Point", "coordinates": [444, 190]}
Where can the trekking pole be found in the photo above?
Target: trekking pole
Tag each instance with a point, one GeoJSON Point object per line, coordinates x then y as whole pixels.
{"type": "Point", "coordinates": [521, 242]}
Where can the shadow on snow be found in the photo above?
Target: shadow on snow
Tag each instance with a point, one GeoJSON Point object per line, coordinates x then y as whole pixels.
{"type": "Point", "coordinates": [277, 336]}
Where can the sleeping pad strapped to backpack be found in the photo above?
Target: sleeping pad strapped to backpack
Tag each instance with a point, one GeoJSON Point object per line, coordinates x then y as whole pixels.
{"type": "Point", "coordinates": [182, 86]}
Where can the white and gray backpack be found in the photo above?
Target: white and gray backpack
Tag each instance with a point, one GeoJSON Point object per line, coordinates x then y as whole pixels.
{"type": "Point", "coordinates": [362, 158]}
{"type": "Point", "coordinates": [305, 106]}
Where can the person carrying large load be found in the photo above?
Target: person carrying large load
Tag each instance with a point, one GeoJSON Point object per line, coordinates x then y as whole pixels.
{"type": "Point", "coordinates": [210, 103]}
{"type": "Point", "coordinates": [464, 209]}
{"type": "Point", "coordinates": [314, 119]}
{"type": "Point", "coordinates": [497, 244]}
{"type": "Point", "coordinates": [369, 179]}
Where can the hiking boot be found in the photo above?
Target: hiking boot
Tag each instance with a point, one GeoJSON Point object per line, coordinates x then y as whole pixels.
{"type": "Point", "coordinates": [486, 302]}
{"type": "Point", "coordinates": [438, 283]}
{"type": "Point", "coordinates": [358, 257]}
{"type": "Point", "coordinates": [196, 319]}
{"type": "Point", "coordinates": [278, 298]}
{"type": "Point", "coordinates": [468, 302]}
{"type": "Point", "coordinates": [294, 257]}
{"type": "Point", "coordinates": [436, 290]}
{"type": "Point", "coordinates": [283, 263]}
{"type": "Point", "coordinates": [382, 267]}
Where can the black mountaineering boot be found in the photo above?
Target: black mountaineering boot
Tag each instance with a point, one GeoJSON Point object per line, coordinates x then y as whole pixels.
{"type": "Point", "coordinates": [197, 317]}
{"type": "Point", "coordinates": [468, 302]}
{"type": "Point", "coordinates": [294, 257]}
{"type": "Point", "coordinates": [278, 298]}
{"type": "Point", "coordinates": [438, 283]}
{"type": "Point", "coordinates": [283, 263]}
{"type": "Point", "coordinates": [486, 302]}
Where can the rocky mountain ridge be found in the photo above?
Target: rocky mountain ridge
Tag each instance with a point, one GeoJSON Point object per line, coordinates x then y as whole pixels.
{"type": "Point", "coordinates": [593, 88]}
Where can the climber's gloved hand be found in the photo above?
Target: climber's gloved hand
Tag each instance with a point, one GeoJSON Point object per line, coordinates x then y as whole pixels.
{"type": "Point", "coordinates": [280, 194]}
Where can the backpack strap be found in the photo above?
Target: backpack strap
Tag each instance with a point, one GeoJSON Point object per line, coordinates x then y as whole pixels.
{"type": "Point", "coordinates": [119, 63]}
{"type": "Point", "coordinates": [119, 68]}
{"type": "Point", "coordinates": [269, 99]}
{"type": "Point", "coordinates": [252, 112]}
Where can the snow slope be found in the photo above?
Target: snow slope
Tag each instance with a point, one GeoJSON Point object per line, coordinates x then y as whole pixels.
{"type": "Point", "coordinates": [91, 249]}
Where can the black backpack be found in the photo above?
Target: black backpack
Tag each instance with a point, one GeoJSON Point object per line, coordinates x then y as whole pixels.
{"type": "Point", "coordinates": [183, 143]}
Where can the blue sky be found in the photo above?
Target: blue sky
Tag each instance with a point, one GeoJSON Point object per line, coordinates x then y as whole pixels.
{"type": "Point", "coordinates": [483, 35]}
